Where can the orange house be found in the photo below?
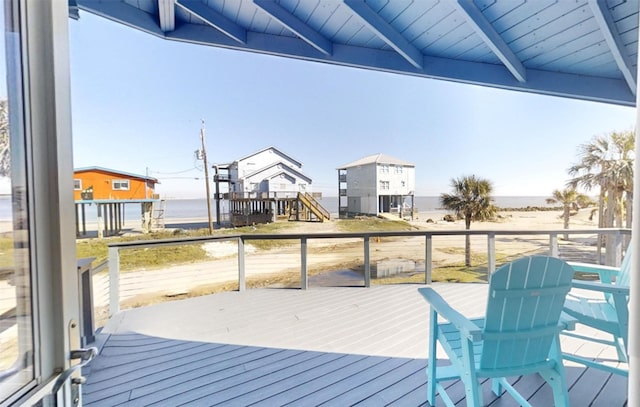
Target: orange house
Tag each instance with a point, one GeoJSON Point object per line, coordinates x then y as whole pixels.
{"type": "Point", "coordinates": [97, 183]}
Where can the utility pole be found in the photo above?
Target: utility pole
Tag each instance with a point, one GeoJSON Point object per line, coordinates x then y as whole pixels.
{"type": "Point", "coordinates": [206, 176]}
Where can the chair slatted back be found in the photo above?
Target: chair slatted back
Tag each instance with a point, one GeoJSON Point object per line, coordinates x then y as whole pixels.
{"type": "Point", "coordinates": [523, 309]}
{"type": "Point", "coordinates": [624, 276]}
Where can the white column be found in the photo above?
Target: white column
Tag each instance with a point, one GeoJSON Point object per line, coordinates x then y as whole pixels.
{"type": "Point", "coordinates": [634, 301]}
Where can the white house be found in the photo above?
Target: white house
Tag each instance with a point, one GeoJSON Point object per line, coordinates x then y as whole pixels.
{"type": "Point", "coordinates": [376, 184]}
{"type": "Point", "coordinates": [268, 171]}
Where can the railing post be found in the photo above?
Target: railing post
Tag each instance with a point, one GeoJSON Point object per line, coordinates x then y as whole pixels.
{"type": "Point", "coordinates": [553, 244]}
{"type": "Point", "coordinates": [304, 279]}
{"type": "Point", "coordinates": [114, 281]}
{"type": "Point", "coordinates": [428, 259]}
{"type": "Point", "coordinates": [241, 276]}
{"type": "Point", "coordinates": [367, 263]}
{"type": "Point", "coordinates": [491, 252]}
{"type": "Point", "coordinates": [618, 249]}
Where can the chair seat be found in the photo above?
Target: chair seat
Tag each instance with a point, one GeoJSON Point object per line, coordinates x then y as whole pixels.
{"type": "Point", "coordinates": [593, 312]}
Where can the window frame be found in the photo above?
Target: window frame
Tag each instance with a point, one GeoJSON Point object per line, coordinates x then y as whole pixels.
{"type": "Point", "coordinates": [120, 181]}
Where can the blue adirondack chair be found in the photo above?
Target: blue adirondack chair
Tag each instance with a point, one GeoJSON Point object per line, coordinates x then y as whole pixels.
{"type": "Point", "coordinates": [608, 312]}
{"type": "Point", "coordinates": [518, 335]}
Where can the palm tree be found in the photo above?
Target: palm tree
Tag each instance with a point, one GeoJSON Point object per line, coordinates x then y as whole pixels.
{"type": "Point", "coordinates": [471, 200]}
{"type": "Point", "coordinates": [606, 162]}
{"type": "Point", "coordinates": [570, 199]}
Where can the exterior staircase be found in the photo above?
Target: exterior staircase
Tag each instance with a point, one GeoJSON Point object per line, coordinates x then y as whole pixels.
{"type": "Point", "coordinates": [314, 207]}
{"type": "Point", "coordinates": [158, 214]}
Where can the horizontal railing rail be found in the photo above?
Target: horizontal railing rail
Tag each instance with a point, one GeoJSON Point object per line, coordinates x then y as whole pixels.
{"type": "Point", "coordinates": [365, 237]}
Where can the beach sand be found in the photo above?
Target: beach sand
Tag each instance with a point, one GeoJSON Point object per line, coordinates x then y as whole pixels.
{"type": "Point", "coordinates": [507, 220]}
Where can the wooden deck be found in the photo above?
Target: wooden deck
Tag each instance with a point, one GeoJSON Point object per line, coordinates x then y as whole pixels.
{"type": "Point", "coordinates": [324, 346]}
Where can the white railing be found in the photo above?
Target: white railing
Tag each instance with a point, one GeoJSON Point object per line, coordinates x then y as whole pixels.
{"type": "Point", "coordinates": [302, 240]}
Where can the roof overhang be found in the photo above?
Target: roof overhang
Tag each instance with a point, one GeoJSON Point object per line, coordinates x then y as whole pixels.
{"type": "Point", "coordinates": [583, 49]}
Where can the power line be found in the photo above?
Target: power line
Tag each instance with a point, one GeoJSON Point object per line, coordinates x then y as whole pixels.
{"type": "Point", "coordinates": [173, 173]}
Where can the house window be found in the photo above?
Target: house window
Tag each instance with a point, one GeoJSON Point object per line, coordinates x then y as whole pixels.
{"type": "Point", "coordinates": [77, 184]}
{"type": "Point", "coordinates": [402, 183]}
{"type": "Point", "coordinates": [385, 169]}
{"type": "Point", "coordinates": [384, 184]}
{"type": "Point", "coordinates": [253, 186]}
{"type": "Point", "coordinates": [120, 184]}
{"type": "Point", "coordinates": [398, 170]}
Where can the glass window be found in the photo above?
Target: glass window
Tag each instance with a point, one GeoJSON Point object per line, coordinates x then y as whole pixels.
{"type": "Point", "coordinates": [120, 184]}
{"type": "Point", "coordinates": [77, 184]}
{"type": "Point", "coordinates": [16, 312]}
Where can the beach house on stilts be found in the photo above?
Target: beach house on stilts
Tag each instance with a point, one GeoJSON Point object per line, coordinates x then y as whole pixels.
{"type": "Point", "coordinates": [377, 184]}
{"type": "Point", "coordinates": [266, 186]}
{"type": "Point", "coordinates": [110, 190]}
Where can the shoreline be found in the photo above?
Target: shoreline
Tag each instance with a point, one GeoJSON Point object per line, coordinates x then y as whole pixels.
{"type": "Point", "coordinates": [519, 218]}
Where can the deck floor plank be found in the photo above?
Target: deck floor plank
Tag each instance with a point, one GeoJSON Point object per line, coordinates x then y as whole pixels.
{"type": "Point", "coordinates": [334, 346]}
{"type": "Point", "coordinates": [215, 378]}
{"type": "Point", "coordinates": [348, 383]}
{"type": "Point", "coordinates": [249, 381]}
{"type": "Point", "coordinates": [293, 394]}
{"type": "Point", "coordinates": [159, 377]}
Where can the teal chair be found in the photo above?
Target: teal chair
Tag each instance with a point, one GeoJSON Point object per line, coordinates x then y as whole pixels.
{"type": "Point", "coordinates": [518, 336]}
{"type": "Point", "coordinates": [607, 311]}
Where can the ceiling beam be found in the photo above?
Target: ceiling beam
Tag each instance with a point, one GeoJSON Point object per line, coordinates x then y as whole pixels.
{"type": "Point", "coordinates": [167, 15]}
{"type": "Point", "coordinates": [386, 32]}
{"type": "Point", "coordinates": [575, 86]}
{"type": "Point", "coordinates": [615, 44]}
{"type": "Point", "coordinates": [123, 13]}
{"type": "Point", "coordinates": [73, 10]}
{"type": "Point", "coordinates": [492, 39]}
{"type": "Point", "coordinates": [295, 25]}
{"type": "Point", "coordinates": [214, 19]}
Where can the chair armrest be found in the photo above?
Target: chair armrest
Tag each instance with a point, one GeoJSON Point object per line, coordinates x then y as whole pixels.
{"type": "Point", "coordinates": [600, 287]}
{"type": "Point", "coordinates": [604, 272]}
{"type": "Point", "coordinates": [466, 327]}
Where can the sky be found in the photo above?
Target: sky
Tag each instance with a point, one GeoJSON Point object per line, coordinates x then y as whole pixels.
{"type": "Point", "coordinates": [138, 102]}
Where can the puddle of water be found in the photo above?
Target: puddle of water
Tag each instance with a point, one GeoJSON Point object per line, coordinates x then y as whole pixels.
{"type": "Point", "coordinates": [336, 278]}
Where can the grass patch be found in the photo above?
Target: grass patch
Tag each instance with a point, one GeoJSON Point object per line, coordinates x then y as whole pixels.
{"type": "Point", "coordinates": [455, 272]}
{"type": "Point", "coordinates": [6, 252]}
{"type": "Point", "coordinates": [372, 224]}
{"type": "Point", "coordinates": [146, 258]}
{"type": "Point", "coordinates": [149, 258]}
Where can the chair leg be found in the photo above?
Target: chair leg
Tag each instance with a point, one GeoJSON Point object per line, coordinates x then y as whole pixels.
{"type": "Point", "coordinates": [556, 380]}
{"type": "Point", "coordinates": [555, 377]}
{"type": "Point", "coordinates": [496, 387]}
{"type": "Point", "coordinates": [431, 368]}
{"type": "Point", "coordinates": [621, 349]}
{"type": "Point", "coordinates": [469, 378]}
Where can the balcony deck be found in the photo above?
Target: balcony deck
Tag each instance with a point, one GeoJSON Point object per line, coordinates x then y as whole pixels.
{"type": "Point", "coordinates": [333, 346]}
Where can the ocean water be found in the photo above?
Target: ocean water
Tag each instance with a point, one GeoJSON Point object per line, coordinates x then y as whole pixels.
{"type": "Point", "coordinates": [197, 208]}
